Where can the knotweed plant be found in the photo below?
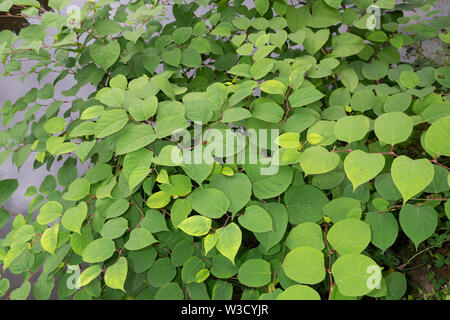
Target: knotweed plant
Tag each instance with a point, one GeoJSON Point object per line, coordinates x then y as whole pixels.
{"type": "Point", "coordinates": [234, 149]}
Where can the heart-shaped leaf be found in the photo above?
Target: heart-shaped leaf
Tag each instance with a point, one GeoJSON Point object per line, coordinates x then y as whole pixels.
{"type": "Point", "coordinates": [105, 55]}
{"type": "Point", "coordinates": [317, 160]}
{"type": "Point", "coordinates": [361, 166]}
{"type": "Point", "coordinates": [411, 176]}
{"type": "Point", "coordinates": [314, 41]}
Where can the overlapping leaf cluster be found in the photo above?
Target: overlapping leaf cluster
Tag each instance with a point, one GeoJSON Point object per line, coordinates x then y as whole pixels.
{"type": "Point", "coordinates": [362, 154]}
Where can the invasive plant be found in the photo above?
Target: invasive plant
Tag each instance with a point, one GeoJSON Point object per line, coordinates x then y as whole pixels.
{"type": "Point", "coordinates": [360, 162]}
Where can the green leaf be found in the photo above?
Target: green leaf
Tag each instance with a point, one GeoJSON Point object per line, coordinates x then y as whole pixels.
{"type": "Point", "coordinates": [299, 292]}
{"type": "Point", "coordinates": [22, 292]}
{"type": "Point", "coordinates": [397, 102]}
{"type": "Point", "coordinates": [142, 110]}
{"type": "Point", "coordinates": [307, 234]}
{"type": "Point", "coordinates": [349, 79]}
{"type": "Point", "coordinates": [333, 3]}
{"type": "Point", "coordinates": [259, 69]}
{"type": "Point", "coordinates": [256, 219]}
{"type": "Point", "coordinates": [55, 125]}
{"type": "Point", "coordinates": [351, 128]}
{"type": "Point", "coordinates": [74, 217]}
{"type": "Point", "coordinates": [322, 15]}
{"type": "Point", "coordinates": [198, 172]}
{"type": "Point", "coordinates": [77, 190]}
{"type": "Point", "coordinates": [361, 166]}
{"type": "Point", "coordinates": [49, 238]}
{"type": "Point", "coordinates": [347, 44]}
{"type": "Point", "coordinates": [267, 110]}
{"type": "Point", "coordinates": [105, 55]}
{"type": "Point", "coordinates": [116, 274]}
{"type": "Point", "coordinates": [317, 160]}
{"type": "Point", "coordinates": [237, 188]}
{"type": "Point", "coordinates": [408, 79]}
{"type": "Point", "coordinates": [289, 140]}
{"type": "Point", "coordinates": [304, 203]}
{"type": "Point", "coordinates": [262, 6]}
{"type": "Point", "coordinates": [99, 250]}
{"type": "Point", "coordinates": [170, 291]}
{"type": "Point", "coordinates": [418, 223]}
{"type": "Point", "coordinates": [111, 97]}
{"type": "Point", "coordinates": [169, 125]}
{"type": "Point", "coordinates": [411, 176]}
{"type": "Point", "coordinates": [273, 87]}
{"type": "Point", "coordinates": [8, 187]}
{"type": "Point", "coordinates": [393, 127]}
{"type": "Point", "coordinates": [349, 236]}
{"type": "Point", "coordinates": [363, 100]}
{"type": "Point", "coordinates": [279, 225]}
{"type": "Point", "coordinates": [305, 265]}
{"type": "Point", "coordinates": [135, 138]}
{"type": "Point", "coordinates": [352, 274]}
{"type": "Point", "coordinates": [269, 186]}
{"type": "Point", "coordinates": [396, 285]}
{"type": "Point", "coordinates": [89, 274]}
{"type": "Point", "coordinates": [172, 57]}
{"type": "Point", "coordinates": [384, 228]}
{"type": "Point", "coordinates": [4, 286]}
{"type": "Point", "coordinates": [211, 203]}
{"type": "Point", "coordinates": [158, 200]}
{"type": "Point", "coordinates": [235, 114]}
{"type": "Point", "coordinates": [304, 96]}
{"type": "Point", "coordinates": [161, 272]}
{"type": "Point", "coordinates": [342, 208]}
{"type": "Point", "coordinates": [255, 273]}
{"type": "Point", "coordinates": [106, 27]}
{"type": "Point", "coordinates": [196, 225]}
{"type": "Point", "coordinates": [179, 185]}
{"type": "Point", "coordinates": [181, 35]}
{"type": "Point", "coordinates": [110, 122]}
{"type": "Point", "coordinates": [154, 221]}
{"type": "Point", "coordinates": [49, 212]}
{"type": "Point", "coordinates": [386, 188]}
{"type": "Point", "coordinates": [375, 70]}
{"type": "Point", "coordinates": [190, 269]}
{"type": "Point", "coordinates": [437, 138]}
{"type": "Point", "coordinates": [314, 41]}
{"type": "Point", "coordinates": [60, 4]}
{"type": "Point", "coordinates": [56, 146]}
{"type": "Point", "coordinates": [139, 239]}
{"type": "Point", "coordinates": [114, 228]}
{"type": "Point", "coordinates": [202, 275]}
{"type": "Point", "coordinates": [229, 241]}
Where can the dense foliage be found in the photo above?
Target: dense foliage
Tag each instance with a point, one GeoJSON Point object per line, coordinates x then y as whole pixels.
{"type": "Point", "coordinates": [362, 152]}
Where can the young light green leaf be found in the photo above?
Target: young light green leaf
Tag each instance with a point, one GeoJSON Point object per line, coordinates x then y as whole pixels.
{"type": "Point", "coordinates": [229, 242]}
{"type": "Point", "coordinates": [317, 160]}
{"type": "Point", "coordinates": [349, 236]}
{"type": "Point", "coordinates": [305, 265]}
{"type": "Point", "coordinates": [361, 166]}
{"type": "Point", "coordinates": [49, 238]}
{"type": "Point", "coordinates": [74, 217]}
{"type": "Point", "coordinates": [256, 219]}
{"type": "Point", "coordinates": [411, 176]}
{"type": "Point", "coordinates": [116, 274]}
{"type": "Point", "coordinates": [196, 225]}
